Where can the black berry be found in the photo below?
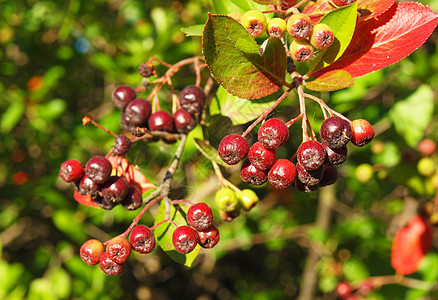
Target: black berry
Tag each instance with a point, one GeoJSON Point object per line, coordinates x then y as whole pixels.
{"type": "Point", "coordinates": [133, 199]}
{"type": "Point", "coordinates": [138, 111]}
{"type": "Point", "coordinates": [184, 121]}
{"type": "Point", "coordinates": [115, 189]}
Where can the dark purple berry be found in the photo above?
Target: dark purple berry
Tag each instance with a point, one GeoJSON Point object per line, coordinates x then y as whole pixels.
{"type": "Point", "coordinates": [88, 186]}
{"type": "Point", "coordinates": [122, 145]}
{"type": "Point", "coordinates": [104, 203]}
{"type": "Point", "coordinates": [273, 133]}
{"type": "Point", "coordinates": [329, 176]}
{"type": "Point", "coordinates": [133, 199]}
{"type": "Point", "coordinates": [71, 170]}
{"type": "Point", "coordinates": [334, 157]}
{"type": "Point", "coordinates": [282, 174]}
{"type": "Point", "coordinates": [108, 266]}
{"type": "Point", "coordinates": [115, 189]}
{"type": "Point", "coordinates": [309, 178]}
{"type": "Point", "coordinates": [91, 251]}
{"type": "Point", "coordinates": [209, 237]}
{"type": "Point", "coordinates": [311, 155]}
{"type": "Point", "coordinates": [122, 95]}
{"type": "Point", "coordinates": [184, 239]}
{"type": "Point", "coordinates": [233, 148]}
{"type": "Point", "coordinates": [261, 157]}
{"type": "Point", "coordinates": [98, 169]}
{"type": "Point", "coordinates": [126, 124]}
{"type": "Point", "coordinates": [200, 216]}
{"type": "Point", "coordinates": [301, 187]}
{"type": "Point", "coordinates": [138, 111]}
{"type": "Point", "coordinates": [142, 239]}
{"type": "Point", "coordinates": [184, 121]}
{"type": "Point", "coordinates": [192, 99]}
{"type": "Point", "coordinates": [335, 132]}
{"type": "Point", "coordinates": [118, 249]}
{"type": "Point", "coordinates": [146, 70]}
{"type": "Point", "coordinates": [252, 175]}
{"type": "Point", "coordinates": [161, 121]}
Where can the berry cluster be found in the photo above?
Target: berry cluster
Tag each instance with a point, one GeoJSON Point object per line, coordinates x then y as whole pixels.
{"type": "Point", "coordinates": [231, 202]}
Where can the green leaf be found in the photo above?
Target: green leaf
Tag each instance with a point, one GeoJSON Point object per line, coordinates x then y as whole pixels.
{"type": "Point", "coordinates": [208, 151]}
{"type": "Point", "coordinates": [412, 115]}
{"type": "Point", "coordinates": [343, 22]}
{"type": "Point", "coordinates": [235, 61]}
{"type": "Point", "coordinates": [12, 116]}
{"type": "Point", "coordinates": [61, 283]}
{"type": "Point", "coordinates": [355, 270]}
{"type": "Point", "coordinates": [239, 6]}
{"type": "Point", "coordinates": [331, 81]}
{"type": "Point", "coordinates": [52, 109]}
{"type": "Point", "coordinates": [164, 232]}
{"type": "Point", "coordinates": [195, 30]}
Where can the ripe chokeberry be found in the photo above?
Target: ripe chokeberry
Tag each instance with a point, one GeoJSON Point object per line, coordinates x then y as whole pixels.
{"type": "Point", "coordinates": [329, 176]}
{"type": "Point", "coordinates": [71, 170]}
{"type": "Point", "coordinates": [88, 186]}
{"type": "Point", "coordinates": [261, 157]}
{"type": "Point", "coordinates": [108, 266]}
{"type": "Point", "coordinates": [254, 22]}
{"type": "Point", "coordinates": [192, 99]}
{"type": "Point", "coordinates": [200, 216]}
{"type": "Point", "coordinates": [335, 132]}
{"type": "Point", "coordinates": [226, 200]}
{"type": "Point", "coordinates": [282, 174]}
{"type": "Point", "coordinates": [133, 199]}
{"type": "Point", "coordinates": [126, 124]}
{"type": "Point", "coordinates": [142, 239]}
{"type": "Point", "coordinates": [161, 121]}
{"type": "Point", "coordinates": [343, 2]}
{"type": "Point", "coordinates": [91, 251]}
{"type": "Point", "coordinates": [114, 189]}
{"type": "Point", "coordinates": [362, 132]}
{"type": "Point", "coordinates": [309, 178]}
{"type": "Point", "coordinates": [250, 174]}
{"type": "Point", "coordinates": [311, 155]}
{"type": "Point", "coordinates": [273, 133]}
{"type": "Point", "coordinates": [209, 237]}
{"type": "Point", "coordinates": [122, 95]}
{"type": "Point", "coordinates": [233, 148]}
{"type": "Point", "coordinates": [138, 111]}
{"type": "Point", "coordinates": [184, 239]}
{"type": "Point", "coordinates": [122, 145]}
{"type": "Point", "coordinates": [247, 199]}
{"type": "Point", "coordinates": [301, 50]}
{"type": "Point", "coordinates": [103, 202]}
{"type": "Point", "coordinates": [118, 249]}
{"type": "Point", "coordinates": [299, 26]}
{"type": "Point", "coordinates": [301, 187]}
{"type": "Point", "coordinates": [184, 121]}
{"type": "Point", "coordinates": [276, 27]}
{"type": "Point", "coordinates": [343, 289]}
{"type": "Point", "coordinates": [98, 169]}
{"type": "Point", "coordinates": [322, 36]}
{"type": "Point", "coordinates": [334, 157]}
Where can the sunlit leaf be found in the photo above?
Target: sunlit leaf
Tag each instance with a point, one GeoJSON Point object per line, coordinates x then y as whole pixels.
{"type": "Point", "coordinates": [331, 81]}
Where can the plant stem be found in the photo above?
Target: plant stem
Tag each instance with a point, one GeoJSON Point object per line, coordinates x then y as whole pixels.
{"type": "Point", "coordinates": [303, 112]}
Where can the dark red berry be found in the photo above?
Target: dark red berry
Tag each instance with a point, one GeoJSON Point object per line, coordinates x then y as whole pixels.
{"type": "Point", "coordinates": [98, 169]}
{"type": "Point", "coordinates": [138, 111]}
{"type": "Point", "coordinates": [273, 133]}
{"type": "Point", "coordinates": [88, 186]}
{"type": "Point", "coordinates": [184, 121]}
{"type": "Point", "coordinates": [133, 199]}
{"type": "Point", "coordinates": [343, 2]}
{"type": "Point", "coordinates": [363, 132]}
{"type": "Point", "coordinates": [252, 175]}
{"type": "Point", "coordinates": [343, 289]}
{"type": "Point", "coordinates": [329, 176]}
{"type": "Point", "coordinates": [108, 266]}
{"type": "Point", "coordinates": [142, 239]}
{"type": "Point", "coordinates": [122, 95]}
{"type": "Point", "coordinates": [192, 99]}
{"type": "Point", "coordinates": [115, 189]}
{"type": "Point", "coordinates": [71, 170]}
{"type": "Point", "coordinates": [334, 157]}
{"type": "Point", "coordinates": [261, 157]}
{"type": "Point", "coordinates": [335, 132]}
{"type": "Point", "coordinates": [311, 155]}
{"type": "Point", "coordinates": [91, 251]}
{"type": "Point", "coordinates": [209, 237]}
{"type": "Point", "coordinates": [282, 174]}
{"type": "Point", "coordinates": [307, 177]}
{"type": "Point", "coordinates": [122, 145]}
{"type": "Point", "coordinates": [161, 121]}
{"type": "Point", "coordinates": [118, 249]}
{"type": "Point", "coordinates": [126, 124]}
{"type": "Point", "coordinates": [104, 203]}
{"type": "Point", "coordinates": [301, 187]}
{"type": "Point", "coordinates": [184, 239]}
{"type": "Point", "coordinates": [200, 216]}
{"type": "Point", "coordinates": [146, 70]}
{"type": "Point", "coordinates": [233, 148]}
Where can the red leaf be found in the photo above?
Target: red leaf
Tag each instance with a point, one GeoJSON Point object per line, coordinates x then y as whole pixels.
{"type": "Point", "coordinates": [331, 81]}
{"type": "Point", "coordinates": [378, 43]}
{"type": "Point", "coordinates": [84, 199]}
{"type": "Point", "coordinates": [374, 7]}
{"type": "Point", "coordinates": [410, 244]}
{"type": "Point", "coordinates": [122, 167]}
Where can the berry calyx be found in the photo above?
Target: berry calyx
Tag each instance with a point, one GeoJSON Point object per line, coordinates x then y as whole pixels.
{"type": "Point", "coordinates": [276, 27]}
{"type": "Point", "coordinates": [192, 99]}
{"type": "Point", "coordinates": [254, 22]}
{"type": "Point", "coordinates": [108, 266]}
{"type": "Point", "coordinates": [91, 251]}
{"type": "Point", "coordinates": [98, 169]}
{"type": "Point", "coordinates": [247, 199]}
{"type": "Point", "coordinates": [311, 155]}
{"type": "Point", "coordinates": [282, 174]}
{"type": "Point", "coordinates": [226, 200]}
{"type": "Point", "coordinates": [322, 36]}
{"type": "Point", "coordinates": [161, 121]}
{"type": "Point", "coordinates": [261, 157]}
{"type": "Point", "coordinates": [142, 239]}
{"type": "Point", "coordinates": [122, 95]}
{"type": "Point", "coordinates": [71, 170]}
{"type": "Point", "coordinates": [184, 121]}
{"type": "Point", "coordinates": [343, 2]}
{"type": "Point", "coordinates": [209, 237]}
{"type": "Point", "coordinates": [273, 133]}
{"type": "Point", "coordinates": [233, 148]}
{"type": "Point", "coordinates": [250, 174]}
{"type": "Point", "coordinates": [335, 132]}
{"type": "Point", "coordinates": [200, 216]}
{"type": "Point", "coordinates": [299, 26]}
{"type": "Point", "coordinates": [122, 145]}
{"type": "Point", "coordinates": [184, 239]}
{"type": "Point", "coordinates": [115, 189]}
{"type": "Point", "coordinates": [301, 50]}
{"type": "Point", "coordinates": [118, 249]}
{"type": "Point", "coordinates": [362, 132]}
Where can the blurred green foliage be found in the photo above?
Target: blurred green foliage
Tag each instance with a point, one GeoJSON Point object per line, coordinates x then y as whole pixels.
{"type": "Point", "coordinates": [61, 60]}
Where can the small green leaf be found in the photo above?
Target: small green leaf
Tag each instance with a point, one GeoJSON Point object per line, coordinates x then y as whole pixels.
{"type": "Point", "coordinates": [209, 152]}
{"type": "Point", "coordinates": [239, 6]}
{"type": "Point", "coordinates": [195, 30]}
{"type": "Point", "coordinates": [331, 81]}
{"type": "Point", "coordinates": [164, 232]}
{"type": "Point", "coordinates": [52, 109]}
{"type": "Point", "coordinates": [12, 116]}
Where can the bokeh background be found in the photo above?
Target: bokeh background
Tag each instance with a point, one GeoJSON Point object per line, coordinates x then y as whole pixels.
{"type": "Point", "coordinates": [60, 60]}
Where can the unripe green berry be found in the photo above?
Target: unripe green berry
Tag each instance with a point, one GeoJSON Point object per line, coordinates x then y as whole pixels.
{"type": "Point", "coordinates": [322, 36]}
{"type": "Point", "coordinates": [248, 199]}
{"type": "Point", "coordinates": [299, 26]}
{"type": "Point", "coordinates": [364, 172]}
{"type": "Point", "coordinates": [426, 166]}
{"type": "Point", "coordinates": [276, 27]}
{"type": "Point", "coordinates": [301, 50]}
{"type": "Point", "coordinates": [254, 22]}
{"type": "Point", "coordinates": [226, 200]}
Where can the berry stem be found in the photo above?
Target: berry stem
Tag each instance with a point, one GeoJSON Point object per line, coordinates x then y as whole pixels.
{"type": "Point", "coordinates": [198, 72]}
{"type": "Point", "coordinates": [183, 201]}
{"type": "Point", "coordinates": [378, 281]}
{"type": "Point", "coordinates": [303, 112]}
{"type": "Point", "coordinates": [88, 119]}
{"type": "Point", "coordinates": [224, 182]}
{"type": "Point", "coordinates": [292, 121]}
{"type": "Point", "coordinates": [323, 104]}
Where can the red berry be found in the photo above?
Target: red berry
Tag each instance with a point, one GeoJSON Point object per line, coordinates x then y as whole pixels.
{"type": "Point", "coordinates": [343, 2]}
{"type": "Point", "coordinates": [261, 157]}
{"type": "Point", "coordinates": [273, 133]}
{"type": "Point", "coordinates": [329, 176]}
{"type": "Point", "coordinates": [118, 249]}
{"type": "Point", "coordinates": [88, 186]}
{"type": "Point", "coordinates": [343, 289]}
{"type": "Point", "coordinates": [311, 155]}
{"type": "Point", "coordinates": [363, 132]}
{"type": "Point", "coordinates": [133, 199]}
{"type": "Point", "coordinates": [122, 145]}
{"type": "Point", "coordinates": [299, 26]}
{"type": "Point", "coordinates": [335, 132]}
{"type": "Point", "coordinates": [122, 95]}
{"type": "Point", "coordinates": [334, 157]}
{"type": "Point", "coordinates": [142, 239]}
{"type": "Point", "coordinates": [115, 189]}
{"type": "Point", "coordinates": [427, 147]}
{"type": "Point", "coordinates": [301, 187]}
{"type": "Point", "coordinates": [98, 169]}
{"type": "Point", "coordinates": [110, 267]}
{"type": "Point", "coordinates": [184, 121]}
{"type": "Point", "coordinates": [161, 121]}
{"type": "Point", "coordinates": [309, 178]}
{"type": "Point", "coordinates": [282, 174]}
{"type": "Point", "coordinates": [71, 170]}
{"type": "Point", "coordinates": [192, 99]}
{"type": "Point", "coordinates": [104, 203]}
{"type": "Point", "coordinates": [138, 111]}
{"type": "Point", "coordinates": [184, 239]}
{"type": "Point", "coordinates": [200, 216]}
{"type": "Point", "coordinates": [209, 237]}
{"type": "Point", "coordinates": [252, 175]}
{"type": "Point", "coordinates": [233, 148]}
{"type": "Point", "coordinates": [91, 251]}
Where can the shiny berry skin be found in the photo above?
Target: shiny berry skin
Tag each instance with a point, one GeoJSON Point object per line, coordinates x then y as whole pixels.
{"type": "Point", "coordinates": [322, 36]}
{"type": "Point", "coordinates": [273, 133]}
{"type": "Point", "coordinates": [71, 170]}
{"type": "Point", "coordinates": [122, 145]}
{"type": "Point", "coordinates": [233, 148]}
{"type": "Point", "coordinates": [363, 132]}
{"type": "Point", "coordinates": [260, 157]}
{"type": "Point", "coordinates": [335, 132]}
{"type": "Point", "coordinates": [133, 199]}
{"type": "Point", "coordinates": [247, 199]}
{"type": "Point", "coordinates": [209, 237]}
{"type": "Point", "coordinates": [118, 249]}
{"type": "Point", "coordinates": [252, 175]}
{"type": "Point", "coordinates": [343, 2]}
{"type": "Point", "coordinates": [254, 22]}
{"type": "Point", "coordinates": [142, 239]}
{"type": "Point", "coordinates": [98, 169]}
{"type": "Point", "coordinates": [88, 186]}
{"type": "Point", "coordinates": [309, 178]}
{"type": "Point", "coordinates": [343, 289]}
{"type": "Point", "coordinates": [226, 200]}
{"type": "Point", "coordinates": [329, 176]}
{"type": "Point", "coordinates": [138, 111]}
{"type": "Point", "coordinates": [299, 26]}
{"type": "Point", "coordinates": [115, 189]}
{"type": "Point", "coordinates": [301, 50]}
{"type": "Point", "coordinates": [184, 239]}
{"type": "Point", "coordinates": [334, 157]}
{"type": "Point", "coordinates": [126, 124]}
{"type": "Point", "coordinates": [184, 121]}
{"type": "Point", "coordinates": [200, 216]}
{"type": "Point", "coordinates": [161, 121]}
{"type": "Point", "coordinates": [192, 99]}
{"type": "Point", "coordinates": [282, 174]}
{"type": "Point", "coordinates": [122, 95]}
{"type": "Point", "coordinates": [108, 266]}
{"type": "Point", "coordinates": [311, 155]}
{"type": "Point", "coordinates": [91, 251]}
{"type": "Point", "coordinates": [276, 27]}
